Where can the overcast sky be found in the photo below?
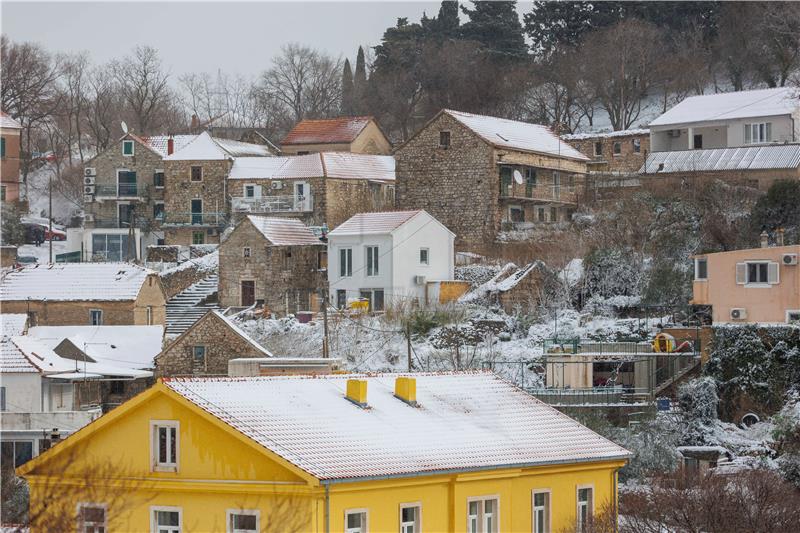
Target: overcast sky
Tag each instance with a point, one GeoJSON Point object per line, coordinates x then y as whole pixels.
{"type": "Point", "coordinates": [205, 36]}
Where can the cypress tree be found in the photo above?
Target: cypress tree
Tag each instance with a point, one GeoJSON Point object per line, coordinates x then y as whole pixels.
{"type": "Point", "coordinates": [360, 83]}
{"type": "Point", "coordinates": [347, 89]}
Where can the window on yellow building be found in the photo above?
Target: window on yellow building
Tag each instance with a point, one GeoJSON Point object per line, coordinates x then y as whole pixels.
{"type": "Point", "coordinates": [483, 515]}
{"type": "Point", "coordinates": [355, 521]}
{"type": "Point", "coordinates": [585, 509]}
{"type": "Point", "coordinates": [91, 518]}
{"type": "Point", "coordinates": [166, 520]}
{"type": "Point", "coordinates": [165, 448]}
{"type": "Point", "coordinates": [541, 512]}
{"type": "Point", "coordinates": [410, 518]}
{"type": "Point", "coordinates": [243, 521]}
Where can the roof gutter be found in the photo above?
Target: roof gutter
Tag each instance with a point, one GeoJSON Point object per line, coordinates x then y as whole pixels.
{"type": "Point", "coordinates": [333, 481]}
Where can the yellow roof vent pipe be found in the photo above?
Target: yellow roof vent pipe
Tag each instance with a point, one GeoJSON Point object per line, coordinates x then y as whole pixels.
{"type": "Point", "coordinates": [405, 389]}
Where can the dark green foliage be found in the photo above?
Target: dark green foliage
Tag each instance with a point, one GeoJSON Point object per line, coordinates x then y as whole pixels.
{"type": "Point", "coordinates": [347, 89]}
{"type": "Point", "coordinates": [496, 26]}
{"type": "Point", "coordinates": [611, 272]}
{"type": "Point", "coordinates": [754, 364]}
{"type": "Point", "coordinates": [779, 208]}
{"type": "Point", "coordinates": [360, 83]}
{"type": "Point", "coordinates": [13, 232]}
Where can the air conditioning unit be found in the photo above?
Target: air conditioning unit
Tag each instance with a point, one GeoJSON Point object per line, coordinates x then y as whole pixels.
{"type": "Point", "coordinates": [88, 198]}
{"type": "Point", "coordinates": [789, 259]}
{"type": "Point", "coordinates": [674, 133]}
{"type": "Point", "coordinates": [419, 280]}
{"type": "Point", "coordinates": [88, 189]}
{"type": "Point", "coordinates": [738, 313]}
{"type": "Point", "coordinates": [88, 217]}
{"type": "Point", "coordinates": [89, 180]}
{"type": "Point", "coordinates": [277, 185]}
{"type": "Point", "coordinates": [90, 171]}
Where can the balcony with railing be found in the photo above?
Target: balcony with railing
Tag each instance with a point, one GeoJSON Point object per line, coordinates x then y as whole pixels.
{"type": "Point", "coordinates": [273, 204]}
{"type": "Point", "coordinates": [541, 192]}
{"type": "Point", "coordinates": [121, 190]}
{"type": "Point", "coordinates": [204, 219]}
{"type": "Point", "coordinates": [116, 222]}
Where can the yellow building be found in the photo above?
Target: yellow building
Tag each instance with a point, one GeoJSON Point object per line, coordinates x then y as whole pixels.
{"type": "Point", "coordinates": [338, 453]}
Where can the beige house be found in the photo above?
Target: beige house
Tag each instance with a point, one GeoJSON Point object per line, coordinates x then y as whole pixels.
{"type": "Point", "coordinates": [758, 285]}
{"type": "Point", "coordinates": [358, 135]}
{"type": "Point", "coordinates": [94, 294]}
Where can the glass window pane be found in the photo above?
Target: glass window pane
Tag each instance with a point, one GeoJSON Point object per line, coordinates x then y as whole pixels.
{"type": "Point", "coordinates": [172, 445]}
{"type": "Point", "coordinates": [162, 445]}
{"type": "Point", "coordinates": [473, 508]}
{"type": "Point", "coordinates": [244, 521]}
{"type": "Point", "coordinates": [23, 452]}
{"type": "Point", "coordinates": [167, 518]}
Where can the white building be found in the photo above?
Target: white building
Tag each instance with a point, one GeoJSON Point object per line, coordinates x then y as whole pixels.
{"type": "Point", "coordinates": [387, 257]}
{"type": "Point", "coordinates": [727, 120]}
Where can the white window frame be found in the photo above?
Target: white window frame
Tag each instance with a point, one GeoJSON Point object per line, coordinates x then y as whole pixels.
{"type": "Point", "coordinates": [231, 512]}
{"type": "Point", "coordinates": [762, 137]}
{"type": "Point", "coordinates": [82, 505]}
{"type": "Point", "coordinates": [372, 253]}
{"type": "Point", "coordinates": [427, 261]}
{"type": "Point", "coordinates": [249, 186]}
{"type": "Point", "coordinates": [590, 515]}
{"type": "Point", "coordinates": [760, 284]}
{"type": "Point", "coordinates": [481, 512]}
{"type": "Point", "coordinates": [91, 317]}
{"type": "Point", "coordinates": [418, 516]}
{"type": "Point", "coordinates": [548, 511]}
{"type": "Point", "coordinates": [247, 251]}
{"type": "Point", "coordinates": [128, 142]}
{"type": "Point", "coordinates": [697, 261]}
{"type": "Point", "coordinates": [365, 526]}
{"type": "Point", "coordinates": [166, 509]}
{"type": "Point", "coordinates": [790, 312]}
{"type": "Point", "coordinates": [348, 251]}
{"type": "Point", "coordinates": [160, 171]}
{"type": "Point", "coordinates": [154, 426]}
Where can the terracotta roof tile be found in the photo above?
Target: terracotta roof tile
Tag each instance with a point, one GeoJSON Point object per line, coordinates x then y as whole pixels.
{"type": "Point", "coordinates": [327, 131]}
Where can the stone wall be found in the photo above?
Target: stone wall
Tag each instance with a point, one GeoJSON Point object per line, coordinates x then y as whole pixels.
{"type": "Point", "coordinates": [347, 197]}
{"type": "Point", "coordinates": [8, 256]}
{"type": "Point", "coordinates": [457, 185]}
{"type": "Point", "coordinates": [103, 394]}
{"type": "Point", "coordinates": [221, 343]}
{"type": "Point", "coordinates": [316, 217]}
{"type": "Point", "coordinates": [284, 276]}
{"type": "Point", "coordinates": [181, 190]}
{"type": "Point", "coordinates": [628, 160]}
{"type": "Point", "coordinates": [163, 254]}
{"type": "Point", "coordinates": [119, 313]}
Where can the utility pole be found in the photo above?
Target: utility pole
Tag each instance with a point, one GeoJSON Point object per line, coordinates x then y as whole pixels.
{"type": "Point", "coordinates": [325, 352]}
{"type": "Point", "coordinates": [408, 344]}
{"type": "Point", "coordinates": [50, 212]}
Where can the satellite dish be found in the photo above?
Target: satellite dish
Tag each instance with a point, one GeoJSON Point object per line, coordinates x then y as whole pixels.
{"type": "Point", "coordinates": [518, 177]}
{"type": "Point", "coordinates": [124, 127]}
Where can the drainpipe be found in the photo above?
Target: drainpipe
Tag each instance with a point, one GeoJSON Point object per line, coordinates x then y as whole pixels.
{"type": "Point", "coordinates": [327, 508]}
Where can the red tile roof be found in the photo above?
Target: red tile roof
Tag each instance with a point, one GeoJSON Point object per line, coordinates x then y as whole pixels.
{"type": "Point", "coordinates": [327, 131]}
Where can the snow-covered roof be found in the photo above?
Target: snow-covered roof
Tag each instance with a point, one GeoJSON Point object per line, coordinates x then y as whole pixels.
{"type": "Point", "coordinates": [201, 148]}
{"type": "Point", "coordinates": [326, 131]}
{"type": "Point", "coordinates": [11, 358]}
{"type": "Point", "coordinates": [74, 281]}
{"type": "Point", "coordinates": [516, 135]}
{"type": "Point", "coordinates": [13, 324]}
{"type": "Point", "coordinates": [7, 122]}
{"type": "Point", "coordinates": [284, 231]}
{"type": "Point", "coordinates": [464, 422]}
{"type": "Point", "coordinates": [239, 331]}
{"type": "Point", "coordinates": [733, 105]}
{"type": "Point", "coordinates": [159, 142]}
{"type": "Point", "coordinates": [42, 356]}
{"type": "Point", "coordinates": [759, 157]}
{"type": "Point", "coordinates": [340, 165]}
{"type": "Point", "coordinates": [373, 223]}
{"type": "Point", "coordinates": [604, 134]}
{"type": "Point", "coordinates": [132, 346]}
{"type": "Point", "coordinates": [243, 149]}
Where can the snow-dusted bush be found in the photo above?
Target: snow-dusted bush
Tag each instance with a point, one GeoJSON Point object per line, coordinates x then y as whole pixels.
{"type": "Point", "coordinates": [612, 272]}
{"type": "Point", "coordinates": [698, 402]}
{"type": "Point", "coordinates": [654, 445]}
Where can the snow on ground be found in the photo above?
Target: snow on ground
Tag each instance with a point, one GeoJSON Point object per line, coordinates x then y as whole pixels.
{"type": "Point", "coordinates": [42, 253]}
{"type": "Point", "coordinates": [38, 194]}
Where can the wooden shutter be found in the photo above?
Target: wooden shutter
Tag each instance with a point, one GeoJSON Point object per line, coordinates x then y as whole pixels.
{"type": "Point", "coordinates": [741, 273]}
{"type": "Point", "coordinates": [772, 273]}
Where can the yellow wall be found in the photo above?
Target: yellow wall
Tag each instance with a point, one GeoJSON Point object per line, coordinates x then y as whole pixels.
{"type": "Point", "coordinates": [220, 469]}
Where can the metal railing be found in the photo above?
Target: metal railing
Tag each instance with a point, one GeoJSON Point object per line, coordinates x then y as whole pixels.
{"type": "Point", "coordinates": [623, 347]}
{"type": "Point", "coordinates": [549, 193]}
{"type": "Point", "coordinates": [595, 396]}
{"type": "Point", "coordinates": [114, 222]}
{"type": "Point", "coordinates": [195, 219]}
{"type": "Point", "coordinates": [272, 204]}
{"type": "Point", "coordinates": [121, 190]}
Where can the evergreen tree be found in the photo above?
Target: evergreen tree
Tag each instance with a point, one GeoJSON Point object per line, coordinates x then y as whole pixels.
{"type": "Point", "coordinates": [360, 83]}
{"type": "Point", "coordinates": [446, 24]}
{"type": "Point", "coordinates": [497, 27]}
{"type": "Point", "coordinates": [347, 89]}
{"type": "Point", "coordinates": [779, 208]}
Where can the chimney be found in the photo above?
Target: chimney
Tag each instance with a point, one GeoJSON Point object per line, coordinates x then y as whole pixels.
{"type": "Point", "coordinates": [357, 392]}
{"type": "Point", "coordinates": [405, 389]}
{"type": "Point", "coordinates": [170, 145]}
{"type": "Point", "coordinates": [779, 237]}
{"type": "Point", "coordinates": [195, 122]}
{"type": "Point", "coordinates": [55, 436]}
{"type": "Point", "coordinates": [764, 239]}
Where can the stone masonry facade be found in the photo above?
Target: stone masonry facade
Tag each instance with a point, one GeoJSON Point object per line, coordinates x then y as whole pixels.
{"type": "Point", "coordinates": [613, 153]}
{"type": "Point", "coordinates": [181, 226]}
{"type": "Point", "coordinates": [286, 278]}
{"type": "Point", "coordinates": [220, 343]}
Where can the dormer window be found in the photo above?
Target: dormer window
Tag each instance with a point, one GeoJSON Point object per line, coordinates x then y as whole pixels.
{"type": "Point", "coordinates": [164, 435]}
{"type": "Point", "coordinates": [444, 139]}
{"type": "Point", "coordinates": [127, 148]}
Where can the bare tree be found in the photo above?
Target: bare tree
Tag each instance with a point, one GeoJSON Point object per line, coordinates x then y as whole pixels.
{"type": "Point", "coordinates": [104, 106]}
{"type": "Point", "coordinates": [304, 80]}
{"type": "Point", "coordinates": [144, 85]}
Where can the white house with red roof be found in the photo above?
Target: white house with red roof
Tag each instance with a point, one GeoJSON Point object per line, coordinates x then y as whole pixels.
{"type": "Point", "coordinates": [388, 257]}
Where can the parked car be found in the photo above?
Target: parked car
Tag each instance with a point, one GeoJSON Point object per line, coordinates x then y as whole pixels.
{"type": "Point", "coordinates": [23, 260]}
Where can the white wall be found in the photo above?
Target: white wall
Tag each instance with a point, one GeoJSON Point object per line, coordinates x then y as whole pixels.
{"type": "Point", "coordinates": [23, 392]}
{"type": "Point", "coordinates": [359, 280]}
{"type": "Point", "coordinates": [727, 134]}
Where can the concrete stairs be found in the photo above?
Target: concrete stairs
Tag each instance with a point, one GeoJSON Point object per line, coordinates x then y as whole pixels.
{"type": "Point", "coordinates": [189, 306]}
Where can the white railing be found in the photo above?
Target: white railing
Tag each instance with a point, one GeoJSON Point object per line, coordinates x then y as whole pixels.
{"type": "Point", "coordinates": [273, 204]}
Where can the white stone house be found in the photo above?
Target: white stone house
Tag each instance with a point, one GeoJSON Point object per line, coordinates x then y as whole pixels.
{"type": "Point", "coordinates": [388, 257]}
{"type": "Point", "coordinates": [728, 120]}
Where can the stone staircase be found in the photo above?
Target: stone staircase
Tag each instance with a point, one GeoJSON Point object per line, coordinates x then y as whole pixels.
{"type": "Point", "coordinates": [188, 306]}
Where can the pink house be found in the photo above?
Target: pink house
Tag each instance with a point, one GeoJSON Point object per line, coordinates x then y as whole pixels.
{"type": "Point", "coordinates": [757, 285]}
